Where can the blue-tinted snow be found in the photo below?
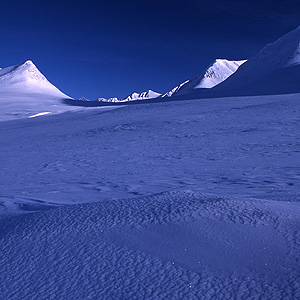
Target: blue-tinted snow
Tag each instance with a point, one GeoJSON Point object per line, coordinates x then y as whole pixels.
{"type": "Point", "coordinates": [178, 200]}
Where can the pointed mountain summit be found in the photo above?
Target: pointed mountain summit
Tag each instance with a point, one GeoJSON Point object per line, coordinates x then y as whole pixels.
{"type": "Point", "coordinates": [142, 96]}
{"type": "Point", "coordinates": [133, 97]}
{"type": "Point", "coordinates": [26, 78]}
{"type": "Point", "coordinates": [216, 73]}
{"type": "Point", "coordinates": [113, 99]}
{"type": "Point", "coordinates": [274, 70]}
{"type": "Point", "coordinates": [26, 92]}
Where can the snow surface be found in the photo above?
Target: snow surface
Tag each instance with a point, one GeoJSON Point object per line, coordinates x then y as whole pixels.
{"type": "Point", "coordinates": [216, 73]}
{"type": "Point", "coordinates": [25, 91]}
{"type": "Point", "coordinates": [40, 114]}
{"type": "Point", "coordinates": [28, 78]}
{"type": "Point", "coordinates": [193, 199]}
{"type": "Point", "coordinates": [174, 90]}
{"type": "Point", "coordinates": [169, 246]}
{"type": "Point", "coordinates": [274, 70]}
{"type": "Point", "coordinates": [175, 200]}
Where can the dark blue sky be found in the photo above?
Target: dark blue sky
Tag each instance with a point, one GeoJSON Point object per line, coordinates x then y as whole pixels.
{"type": "Point", "coordinates": [112, 48]}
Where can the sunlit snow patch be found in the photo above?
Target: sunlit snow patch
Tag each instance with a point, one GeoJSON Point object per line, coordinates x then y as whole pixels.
{"type": "Point", "coordinates": [40, 114]}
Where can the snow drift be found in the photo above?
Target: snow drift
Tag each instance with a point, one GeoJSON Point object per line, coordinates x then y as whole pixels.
{"type": "Point", "coordinates": [178, 245]}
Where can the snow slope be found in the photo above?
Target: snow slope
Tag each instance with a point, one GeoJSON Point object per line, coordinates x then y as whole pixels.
{"type": "Point", "coordinates": [274, 70]}
{"type": "Point", "coordinates": [217, 72]}
{"type": "Point", "coordinates": [170, 200]}
{"type": "Point", "coordinates": [26, 78]}
{"type": "Point", "coordinates": [209, 211]}
{"type": "Point", "coordinates": [175, 89]}
{"type": "Point", "coordinates": [25, 91]}
{"type": "Point", "coordinates": [214, 146]}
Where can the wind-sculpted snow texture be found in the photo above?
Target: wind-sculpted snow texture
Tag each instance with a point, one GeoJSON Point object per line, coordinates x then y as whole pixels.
{"type": "Point", "coordinates": [176, 245]}
{"type": "Point", "coordinates": [175, 200]}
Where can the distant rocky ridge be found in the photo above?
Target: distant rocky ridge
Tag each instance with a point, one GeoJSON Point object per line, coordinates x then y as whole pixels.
{"type": "Point", "coordinates": [133, 97]}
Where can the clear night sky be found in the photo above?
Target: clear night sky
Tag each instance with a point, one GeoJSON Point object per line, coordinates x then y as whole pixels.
{"type": "Point", "coordinates": [112, 48]}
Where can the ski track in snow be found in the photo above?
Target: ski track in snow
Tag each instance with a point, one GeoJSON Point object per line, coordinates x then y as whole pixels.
{"type": "Point", "coordinates": [176, 200]}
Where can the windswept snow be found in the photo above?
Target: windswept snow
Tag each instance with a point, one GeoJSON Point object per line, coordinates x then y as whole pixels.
{"type": "Point", "coordinates": [214, 146]}
{"type": "Point", "coordinates": [168, 200]}
{"type": "Point", "coordinates": [175, 200]}
{"type": "Point", "coordinates": [174, 245]}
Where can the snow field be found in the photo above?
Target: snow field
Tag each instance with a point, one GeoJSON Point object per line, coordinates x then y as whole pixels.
{"type": "Point", "coordinates": [176, 245]}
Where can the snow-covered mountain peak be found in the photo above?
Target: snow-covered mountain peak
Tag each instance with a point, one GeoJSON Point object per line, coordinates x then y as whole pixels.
{"type": "Point", "coordinates": [216, 73]}
{"type": "Point", "coordinates": [274, 70]}
{"type": "Point", "coordinates": [113, 99]}
{"type": "Point", "coordinates": [219, 71]}
{"type": "Point", "coordinates": [26, 92]}
{"type": "Point", "coordinates": [134, 96]}
{"type": "Point", "coordinates": [28, 63]}
{"type": "Point", "coordinates": [26, 78]}
{"type": "Point", "coordinates": [142, 96]}
{"type": "Point", "coordinates": [149, 94]}
{"type": "Point", "coordinates": [29, 72]}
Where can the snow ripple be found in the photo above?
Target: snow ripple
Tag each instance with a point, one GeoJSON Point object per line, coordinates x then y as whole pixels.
{"type": "Point", "coordinates": [97, 250]}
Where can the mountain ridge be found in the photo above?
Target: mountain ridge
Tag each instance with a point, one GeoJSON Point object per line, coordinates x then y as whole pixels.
{"type": "Point", "coordinates": [149, 94]}
{"type": "Point", "coordinates": [274, 70]}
